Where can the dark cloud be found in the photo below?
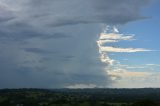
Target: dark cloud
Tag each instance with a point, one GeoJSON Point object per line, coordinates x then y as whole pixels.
{"type": "Point", "coordinates": [59, 13]}
{"type": "Point", "coordinates": [103, 11]}
{"type": "Point", "coordinates": [32, 18]}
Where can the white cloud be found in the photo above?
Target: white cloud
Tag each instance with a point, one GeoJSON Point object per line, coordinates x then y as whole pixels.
{"type": "Point", "coordinates": [136, 79]}
{"type": "Point", "coordinates": [135, 67]}
{"type": "Point", "coordinates": [102, 42]}
{"type": "Point", "coordinates": [127, 50]}
{"type": "Point", "coordinates": [153, 65]}
{"type": "Point", "coordinates": [105, 59]}
{"type": "Point", "coordinates": [124, 73]}
{"type": "Point", "coordinates": [115, 36]}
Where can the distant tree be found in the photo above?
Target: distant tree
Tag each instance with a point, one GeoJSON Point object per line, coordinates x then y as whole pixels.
{"type": "Point", "coordinates": [144, 103]}
{"type": "Point", "coordinates": [123, 104]}
{"type": "Point", "coordinates": [105, 104]}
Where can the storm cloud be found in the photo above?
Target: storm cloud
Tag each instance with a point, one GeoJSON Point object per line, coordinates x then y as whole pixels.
{"type": "Point", "coordinates": [52, 43]}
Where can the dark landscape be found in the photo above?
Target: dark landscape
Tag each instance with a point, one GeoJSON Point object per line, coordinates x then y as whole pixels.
{"type": "Point", "coordinates": [80, 97]}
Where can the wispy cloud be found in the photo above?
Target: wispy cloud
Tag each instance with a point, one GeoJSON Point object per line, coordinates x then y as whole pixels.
{"type": "Point", "coordinates": [134, 79]}
{"type": "Point", "coordinates": [154, 65]}
{"type": "Point", "coordinates": [124, 73]}
{"type": "Point", "coordinates": [126, 50]}
{"type": "Point", "coordinates": [115, 36]}
{"type": "Point", "coordinates": [101, 42]}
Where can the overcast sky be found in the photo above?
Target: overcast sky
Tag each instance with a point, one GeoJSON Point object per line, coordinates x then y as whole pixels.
{"type": "Point", "coordinates": [79, 43]}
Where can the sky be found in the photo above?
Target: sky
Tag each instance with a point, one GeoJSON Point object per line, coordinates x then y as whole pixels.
{"type": "Point", "coordinates": [79, 43]}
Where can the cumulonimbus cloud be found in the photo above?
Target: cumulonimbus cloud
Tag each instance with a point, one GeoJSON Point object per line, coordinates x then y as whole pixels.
{"type": "Point", "coordinates": [25, 24]}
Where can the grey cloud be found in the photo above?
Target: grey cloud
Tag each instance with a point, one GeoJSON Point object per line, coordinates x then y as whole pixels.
{"type": "Point", "coordinates": [34, 18]}
{"type": "Point", "coordinates": [52, 63]}
{"type": "Point", "coordinates": [56, 36]}
{"type": "Point", "coordinates": [5, 13]}
{"type": "Point", "coordinates": [37, 50]}
{"type": "Point", "coordinates": [98, 11]}
{"type": "Point", "coordinates": [59, 13]}
{"type": "Point", "coordinates": [47, 52]}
